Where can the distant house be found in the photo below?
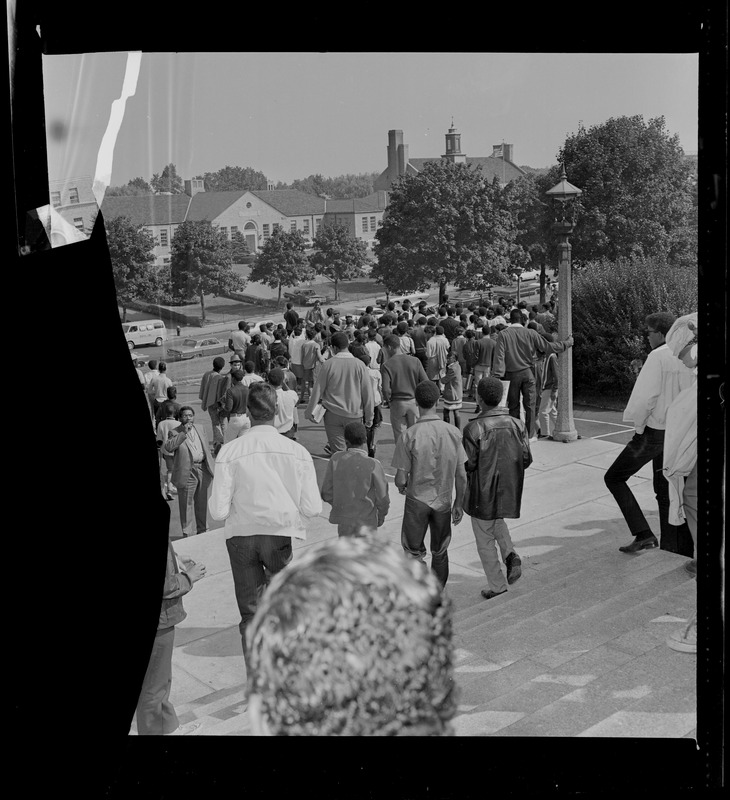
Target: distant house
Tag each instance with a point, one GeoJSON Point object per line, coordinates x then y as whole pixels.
{"type": "Point", "coordinates": [72, 199]}
{"type": "Point", "coordinates": [255, 214]}
{"type": "Point", "coordinates": [499, 164]}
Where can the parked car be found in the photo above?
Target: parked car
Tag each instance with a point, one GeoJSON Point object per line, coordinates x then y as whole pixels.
{"type": "Point", "coordinates": [531, 275]}
{"type": "Point", "coordinates": [196, 348]}
{"type": "Point", "coordinates": [304, 297]}
{"type": "Point", "coordinates": [398, 299]}
{"type": "Point", "coordinates": [146, 331]}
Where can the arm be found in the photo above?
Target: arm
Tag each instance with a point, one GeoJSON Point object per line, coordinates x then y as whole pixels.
{"type": "Point", "coordinates": [327, 492]}
{"type": "Point", "coordinates": [457, 510]}
{"type": "Point", "coordinates": [644, 394]}
{"type": "Point", "coordinates": [498, 358]}
{"type": "Point", "coordinates": [366, 393]}
{"type": "Point", "coordinates": [310, 501]}
{"type": "Point", "coordinates": [401, 480]}
{"type": "Point", "coordinates": [317, 392]}
{"type": "Point", "coordinates": [174, 440]}
{"type": "Point", "coordinates": [421, 372]}
{"type": "Point", "coordinates": [525, 442]}
{"type": "Point", "coordinates": [203, 386]}
{"type": "Point", "coordinates": [385, 378]}
{"type": "Point", "coordinates": [380, 486]}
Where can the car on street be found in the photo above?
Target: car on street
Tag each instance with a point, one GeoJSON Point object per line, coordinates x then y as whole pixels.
{"type": "Point", "coordinates": [196, 348]}
{"type": "Point", "coordinates": [531, 275]}
{"type": "Point", "coordinates": [398, 299]}
{"type": "Point", "coordinates": [304, 297]}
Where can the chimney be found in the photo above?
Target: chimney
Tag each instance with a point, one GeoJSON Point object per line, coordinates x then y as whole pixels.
{"type": "Point", "coordinates": [193, 186]}
{"type": "Point", "coordinates": [402, 159]}
{"type": "Point", "coordinates": [270, 186]}
{"type": "Point", "coordinates": [508, 152]}
{"type": "Point", "coordinates": [395, 141]}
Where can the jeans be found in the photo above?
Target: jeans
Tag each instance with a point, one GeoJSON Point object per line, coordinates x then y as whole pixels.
{"type": "Point", "coordinates": [193, 500]}
{"type": "Point", "coordinates": [219, 425]}
{"type": "Point", "coordinates": [643, 448]}
{"type": "Point", "coordinates": [548, 411]}
{"type": "Point", "coordinates": [489, 533]}
{"type": "Point", "coordinates": [403, 414]}
{"type": "Point", "coordinates": [155, 713]}
{"type": "Point", "coordinates": [249, 555]}
{"type": "Point", "coordinates": [334, 427]}
{"type": "Point", "coordinates": [522, 383]}
{"type": "Point", "coordinates": [417, 518]}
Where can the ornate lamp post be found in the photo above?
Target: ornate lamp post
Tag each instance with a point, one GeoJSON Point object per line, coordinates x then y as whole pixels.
{"type": "Point", "coordinates": [563, 196]}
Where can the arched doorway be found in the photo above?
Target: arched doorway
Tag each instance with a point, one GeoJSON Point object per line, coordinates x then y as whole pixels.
{"type": "Point", "coordinates": [249, 232]}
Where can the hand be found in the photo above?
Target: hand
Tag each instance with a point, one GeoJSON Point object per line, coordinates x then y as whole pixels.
{"type": "Point", "coordinates": [402, 489]}
{"type": "Point", "coordinates": [569, 341]}
{"type": "Point", "coordinates": [186, 561]}
{"type": "Point", "coordinates": [196, 572]}
{"type": "Point", "coordinates": [457, 514]}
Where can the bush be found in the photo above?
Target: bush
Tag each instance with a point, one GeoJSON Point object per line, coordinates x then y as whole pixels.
{"type": "Point", "coordinates": [611, 300]}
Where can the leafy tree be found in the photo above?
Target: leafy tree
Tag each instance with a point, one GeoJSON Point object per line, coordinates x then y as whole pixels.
{"type": "Point", "coordinates": [342, 187]}
{"type": "Point", "coordinates": [230, 179]}
{"type": "Point", "coordinates": [137, 187]}
{"type": "Point", "coordinates": [447, 224]}
{"type": "Point", "coordinates": [239, 247]}
{"type": "Point", "coordinates": [168, 181]}
{"type": "Point", "coordinates": [337, 255]}
{"type": "Point", "coordinates": [637, 191]}
{"type": "Point", "coordinates": [314, 184]}
{"type": "Point", "coordinates": [200, 262]}
{"type": "Point", "coordinates": [132, 255]}
{"type": "Point", "coordinates": [282, 261]}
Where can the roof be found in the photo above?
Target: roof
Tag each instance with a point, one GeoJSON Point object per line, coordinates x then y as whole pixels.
{"type": "Point", "coordinates": [291, 202]}
{"type": "Point", "coordinates": [151, 209]}
{"type": "Point", "coordinates": [209, 205]}
{"type": "Point", "coordinates": [490, 165]}
{"type": "Point", "coordinates": [358, 205]}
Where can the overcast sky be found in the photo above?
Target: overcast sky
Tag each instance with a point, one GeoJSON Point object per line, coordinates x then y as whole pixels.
{"type": "Point", "coordinates": [290, 115]}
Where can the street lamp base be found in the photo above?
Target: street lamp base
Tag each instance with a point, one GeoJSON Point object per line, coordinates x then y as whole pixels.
{"type": "Point", "coordinates": [565, 436]}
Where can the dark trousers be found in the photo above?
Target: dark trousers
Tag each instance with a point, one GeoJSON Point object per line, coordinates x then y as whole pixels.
{"type": "Point", "coordinates": [254, 559]}
{"type": "Point", "coordinates": [522, 385]}
{"type": "Point", "coordinates": [417, 518]}
{"type": "Point", "coordinates": [643, 448]}
{"type": "Point", "coordinates": [155, 713]}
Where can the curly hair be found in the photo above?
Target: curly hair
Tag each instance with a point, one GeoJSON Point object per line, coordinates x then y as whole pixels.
{"type": "Point", "coordinates": [353, 639]}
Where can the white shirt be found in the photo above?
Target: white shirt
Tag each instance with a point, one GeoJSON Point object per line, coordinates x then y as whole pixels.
{"type": "Point", "coordinates": [264, 483]}
{"type": "Point", "coordinates": [661, 379]}
{"type": "Point", "coordinates": [286, 414]}
{"type": "Point", "coordinates": [374, 349]}
{"type": "Point", "coordinates": [241, 340]}
{"type": "Point", "coordinates": [249, 378]}
{"type": "Point", "coordinates": [295, 348]}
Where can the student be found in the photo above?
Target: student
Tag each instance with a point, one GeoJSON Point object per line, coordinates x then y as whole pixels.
{"type": "Point", "coordinates": [163, 412]}
{"type": "Point", "coordinates": [290, 379]}
{"type": "Point", "coordinates": [453, 390]}
{"type": "Point", "coordinates": [377, 383]}
{"type": "Point", "coordinates": [355, 485]}
{"type": "Point", "coordinates": [164, 427]}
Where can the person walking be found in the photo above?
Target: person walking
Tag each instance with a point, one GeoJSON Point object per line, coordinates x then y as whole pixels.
{"type": "Point", "coordinates": [265, 488]}
{"type": "Point", "coordinates": [429, 460]}
{"type": "Point", "coordinates": [212, 387]}
{"type": "Point", "coordinates": [453, 393]}
{"type": "Point", "coordinates": [401, 374]}
{"type": "Point", "coordinates": [234, 406]}
{"type": "Point", "coordinates": [498, 453]}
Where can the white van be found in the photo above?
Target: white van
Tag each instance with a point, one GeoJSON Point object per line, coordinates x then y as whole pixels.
{"type": "Point", "coordinates": [146, 331]}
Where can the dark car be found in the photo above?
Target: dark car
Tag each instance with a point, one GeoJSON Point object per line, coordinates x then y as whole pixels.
{"type": "Point", "coordinates": [304, 297]}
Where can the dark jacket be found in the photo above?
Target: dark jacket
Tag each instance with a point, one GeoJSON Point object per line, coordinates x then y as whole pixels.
{"type": "Point", "coordinates": [498, 452]}
{"type": "Point", "coordinates": [176, 585]}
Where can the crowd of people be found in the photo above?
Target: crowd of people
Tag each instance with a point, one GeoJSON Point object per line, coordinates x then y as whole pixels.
{"type": "Point", "coordinates": [340, 371]}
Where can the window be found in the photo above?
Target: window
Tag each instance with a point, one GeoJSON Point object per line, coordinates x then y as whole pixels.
{"type": "Point", "coordinates": [293, 225]}
{"type": "Point", "coordinates": [317, 223]}
{"type": "Point", "coordinates": [163, 238]}
{"type": "Point", "coordinates": [56, 199]}
{"type": "Point", "coordinates": [364, 224]}
{"type": "Point", "coordinates": [224, 231]}
{"type": "Point", "coordinates": [266, 230]}
{"type": "Point", "coordinates": [73, 195]}
{"type": "Point", "coordinates": [79, 223]}
{"type": "Point", "coordinates": [372, 224]}
{"type": "Point", "coordinates": [305, 227]}
{"type": "Point", "coordinates": [234, 229]}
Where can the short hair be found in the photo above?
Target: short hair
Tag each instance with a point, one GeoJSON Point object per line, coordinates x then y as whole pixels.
{"type": "Point", "coordinates": [662, 321]}
{"type": "Point", "coordinates": [276, 376]}
{"type": "Point", "coordinates": [470, 334]}
{"type": "Point", "coordinates": [392, 341]}
{"type": "Point", "coordinates": [391, 306]}
{"type": "Point", "coordinates": [311, 333]}
{"type": "Point", "coordinates": [515, 315]}
{"type": "Point", "coordinates": [486, 330]}
{"type": "Point", "coordinates": [249, 366]}
{"type": "Point", "coordinates": [241, 325]}
{"type": "Point", "coordinates": [218, 362]}
{"type": "Point", "coordinates": [402, 327]}
{"type": "Point", "coordinates": [481, 311]}
{"type": "Point", "coordinates": [372, 333]}
{"type": "Point", "coordinates": [499, 310]}
{"type": "Point", "coordinates": [340, 340]}
{"type": "Point", "coordinates": [256, 339]}
{"type": "Point", "coordinates": [439, 330]}
{"type": "Point", "coordinates": [298, 328]}
{"type": "Point", "coordinates": [522, 304]}
{"type": "Point", "coordinates": [281, 361]}
{"type": "Point", "coordinates": [185, 408]}
{"type": "Point", "coordinates": [368, 309]}
{"type": "Point", "coordinates": [237, 375]}
{"type": "Point", "coordinates": [289, 305]}
{"type": "Point", "coordinates": [490, 391]}
{"type": "Point", "coordinates": [261, 403]}
{"type": "Point", "coordinates": [171, 392]}
{"type": "Point", "coordinates": [355, 433]}
{"type": "Point", "coordinates": [152, 363]}
{"type": "Point", "coordinates": [427, 394]}
{"type": "Point", "coordinates": [353, 639]}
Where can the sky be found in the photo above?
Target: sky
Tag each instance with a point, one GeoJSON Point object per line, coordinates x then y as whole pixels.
{"type": "Point", "coordinates": [290, 115]}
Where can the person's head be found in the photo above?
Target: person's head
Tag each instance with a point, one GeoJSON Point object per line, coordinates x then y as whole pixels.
{"type": "Point", "coordinates": [235, 362]}
{"type": "Point", "coordinates": [421, 320]}
{"type": "Point", "coordinates": [657, 327]}
{"type": "Point", "coordinates": [261, 403]}
{"type": "Point", "coordinates": [515, 315]}
{"type": "Point", "coordinates": [298, 330]}
{"type": "Point", "coordinates": [470, 334]}
{"type": "Point", "coordinates": [356, 435]}
{"type": "Point", "coordinates": [546, 306]}
{"type": "Point", "coordinates": [256, 339]}
{"type": "Point", "coordinates": [490, 392]}
{"type": "Point", "coordinates": [392, 343]}
{"type": "Point", "coordinates": [439, 330]}
{"type": "Point", "coordinates": [171, 392]}
{"type": "Point", "coordinates": [522, 304]}
{"type": "Point", "coordinates": [329, 312]}
{"type": "Point", "coordinates": [352, 639]}
{"type": "Point", "coordinates": [429, 330]}
{"type": "Point", "coordinates": [368, 309]}
{"type": "Point", "coordinates": [481, 311]}
{"type": "Point", "coordinates": [316, 304]}
{"type": "Point", "coordinates": [373, 325]}
{"type": "Point", "coordinates": [249, 366]}
{"type": "Point", "coordinates": [402, 328]}
{"type": "Point", "coordinates": [242, 325]}
{"type": "Point", "coordinates": [499, 310]}
{"type": "Point", "coordinates": [340, 341]}
{"type": "Point", "coordinates": [486, 330]}
{"type": "Point", "coordinates": [681, 339]}
{"type": "Point", "coordinates": [152, 363]}
{"type": "Point", "coordinates": [187, 414]}
{"type": "Point", "coordinates": [451, 357]}
{"type": "Point", "coordinates": [289, 306]}
{"type": "Point", "coordinates": [218, 363]}
{"type": "Point", "coordinates": [311, 333]}
{"type": "Point", "coordinates": [460, 330]}
{"type": "Point", "coordinates": [276, 377]}
{"type": "Point", "coordinates": [372, 333]}
{"type": "Point", "coordinates": [278, 334]}
{"type": "Point", "coordinates": [391, 306]}
{"type": "Point", "coordinates": [427, 395]}
{"type": "Point", "coordinates": [237, 375]}
{"type": "Point", "coordinates": [281, 361]}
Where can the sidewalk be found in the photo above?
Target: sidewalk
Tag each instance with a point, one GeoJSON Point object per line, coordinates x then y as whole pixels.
{"type": "Point", "coordinates": [575, 648]}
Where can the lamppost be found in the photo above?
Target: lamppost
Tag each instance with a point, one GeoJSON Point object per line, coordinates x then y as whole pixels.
{"type": "Point", "coordinates": [563, 196]}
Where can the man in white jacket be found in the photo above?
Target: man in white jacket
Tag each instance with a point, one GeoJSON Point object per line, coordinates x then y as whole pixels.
{"type": "Point", "coordinates": [661, 379]}
{"type": "Point", "coordinates": [265, 488]}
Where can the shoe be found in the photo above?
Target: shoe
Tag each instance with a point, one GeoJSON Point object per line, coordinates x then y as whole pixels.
{"type": "Point", "coordinates": [543, 436]}
{"type": "Point", "coordinates": [488, 594]}
{"type": "Point", "coordinates": [371, 453]}
{"type": "Point", "coordinates": [533, 438]}
{"type": "Point", "coordinates": [191, 729]}
{"type": "Point", "coordinates": [514, 569]}
{"type": "Point", "coordinates": [645, 543]}
{"type": "Point", "coordinates": [169, 496]}
{"type": "Point", "coordinates": [691, 567]}
{"type": "Point", "coordinates": [685, 640]}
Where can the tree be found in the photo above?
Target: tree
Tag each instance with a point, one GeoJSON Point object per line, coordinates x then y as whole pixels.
{"type": "Point", "coordinates": [282, 261]}
{"type": "Point", "coordinates": [230, 179]}
{"type": "Point", "coordinates": [342, 187]}
{"type": "Point", "coordinates": [132, 255]}
{"type": "Point", "coordinates": [238, 247]}
{"type": "Point", "coordinates": [200, 262]}
{"type": "Point", "coordinates": [447, 224]}
{"type": "Point", "coordinates": [637, 191]}
{"type": "Point", "coordinates": [337, 255]}
{"type": "Point", "coordinates": [168, 181]}
{"type": "Point", "coordinates": [137, 187]}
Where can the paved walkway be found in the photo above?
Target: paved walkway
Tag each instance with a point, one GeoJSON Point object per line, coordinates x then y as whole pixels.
{"type": "Point", "coordinates": [575, 648]}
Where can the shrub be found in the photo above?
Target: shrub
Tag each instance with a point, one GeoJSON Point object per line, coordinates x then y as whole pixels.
{"type": "Point", "coordinates": [611, 299]}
